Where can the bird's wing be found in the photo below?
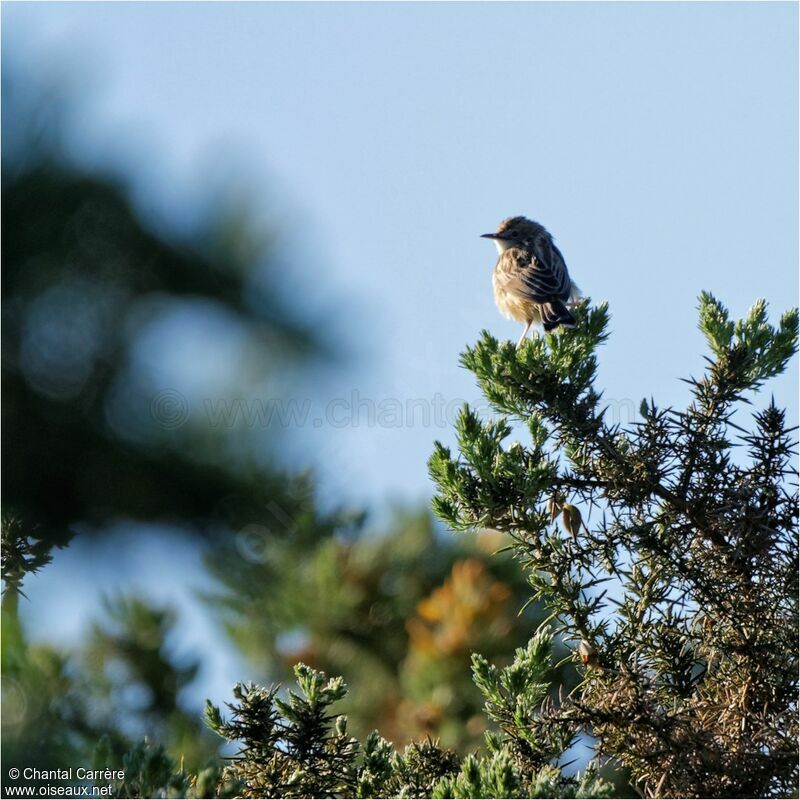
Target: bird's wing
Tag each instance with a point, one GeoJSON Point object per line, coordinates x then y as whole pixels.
{"type": "Point", "coordinates": [546, 277]}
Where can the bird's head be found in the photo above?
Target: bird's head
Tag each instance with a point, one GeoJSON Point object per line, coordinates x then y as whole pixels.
{"type": "Point", "coordinates": [514, 232]}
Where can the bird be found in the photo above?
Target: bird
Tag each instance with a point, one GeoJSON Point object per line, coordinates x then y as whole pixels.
{"type": "Point", "coordinates": [530, 280]}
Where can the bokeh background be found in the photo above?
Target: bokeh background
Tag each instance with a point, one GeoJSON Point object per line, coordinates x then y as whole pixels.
{"type": "Point", "coordinates": [240, 259]}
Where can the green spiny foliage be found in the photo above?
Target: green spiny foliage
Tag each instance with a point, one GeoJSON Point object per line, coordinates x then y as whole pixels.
{"type": "Point", "coordinates": [691, 670]}
{"type": "Point", "coordinates": [293, 748]}
{"type": "Point", "coordinates": [517, 701]}
{"type": "Point", "coordinates": [149, 772]}
{"type": "Point", "coordinates": [299, 748]}
{"type": "Point", "coordinates": [496, 776]}
{"type": "Point", "coordinates": [521, 756]}
{"type": "Point", "coordinates": [751, 348]}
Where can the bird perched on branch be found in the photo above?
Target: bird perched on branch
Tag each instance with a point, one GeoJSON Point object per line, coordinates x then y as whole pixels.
{"type": "Point", "coordinates": [531, 281]}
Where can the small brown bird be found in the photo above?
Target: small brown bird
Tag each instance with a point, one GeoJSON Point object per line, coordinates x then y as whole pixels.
{"type": "Point", "coordinates": [531, 282]}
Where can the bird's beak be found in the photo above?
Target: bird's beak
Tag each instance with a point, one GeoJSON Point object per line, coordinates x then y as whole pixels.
{"type": "Point", "coordinates": [489, 236]}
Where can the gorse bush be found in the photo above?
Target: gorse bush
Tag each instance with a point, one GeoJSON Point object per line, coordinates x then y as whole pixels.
{"type": "Point", "coordinates": [299, 747]}
{"type": "Point", "coordinates": [665, 551]}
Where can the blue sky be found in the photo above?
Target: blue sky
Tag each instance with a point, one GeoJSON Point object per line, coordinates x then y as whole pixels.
{"type": "Point", "coordinates": [657, 142]}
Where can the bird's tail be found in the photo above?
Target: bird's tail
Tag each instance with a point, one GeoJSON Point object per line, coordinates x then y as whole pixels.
{"type": "Point", "coordinates": [556, 314]}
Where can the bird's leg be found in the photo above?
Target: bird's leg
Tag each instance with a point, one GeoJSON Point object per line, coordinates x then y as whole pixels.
{"type": "Point", "coordinates": [524, 333]}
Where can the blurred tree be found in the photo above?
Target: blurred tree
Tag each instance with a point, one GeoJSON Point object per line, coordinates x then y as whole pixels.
{"type": "Point", "coordinates": [96, 427]}
{"type": "Point", "coordinates": [129, 662]}
{"type": "Point", "coordinates": [471, 611]}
